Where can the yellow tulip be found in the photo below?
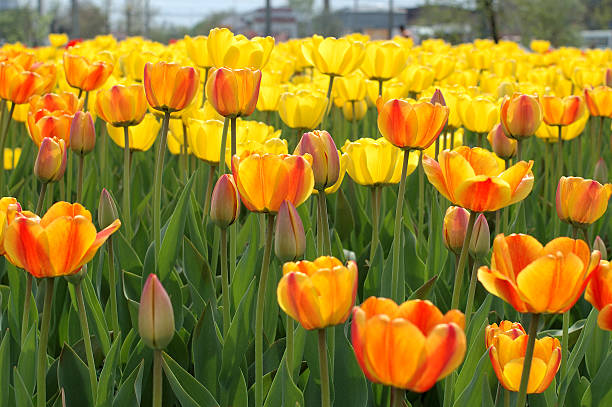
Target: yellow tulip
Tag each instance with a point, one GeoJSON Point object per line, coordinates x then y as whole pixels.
{"type": "Point", "coordinates": [359, 107]}
{"type": "Point", "coordinates": [351, 87]}
{"type": "Point", "coordinates": [478, 114]}
{"type": "Point", "coordinates": [383, 60]}
{"type": "Point", "coordinates": [197, 50]}
{"type": "Point", "coordinates": [11, 157]}
{"type": "Point", "coordinates": [303, 109]}
{"type": "Point", "coordinates": [236, 51]}
{"type": "Point", "coordinates": [334, 56]}
{"type": "Point", "coordinates": [550, 134]}
{"type": "Point", "coordinates": [141, 136]}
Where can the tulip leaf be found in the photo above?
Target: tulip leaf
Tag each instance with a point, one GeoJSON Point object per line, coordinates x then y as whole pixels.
{"type": "Point", "coordinates": [129, 391]}
{"type": "Point", "coordinates": [347, 373]}
{"type": "Point", "coordinates": [73, 377]}
{"type": "Point", "coordinates": [199, 277]}
{"type": "Point", "coordinates": [171, 238]}
{"type": "Point", "coordinates": [107, 377]}
{"type": "Point", "coordinates": [5, 368]}
{"type": "Point", "coordinates": [423, 291]}
{"type": "Point", "coordinates": [283, 391]}
{"type": "Point", "coordinates": [126, 255]}
{"type": "Point", "coordinates": [186, 388]}
{"type": "Point", "coordinates": [27, 360]}
{"type": "Point", "coordinates": [95, 312]}
{"type": "Point", "coordinates": [472, 393]}
{"type": "Point", "coordinates": [206, 349]}
{"type": "Point", "coordinates": [22, 394]}
{"type": "Point", "coordinates": [247, 267]}
{"type": "Point", "coordinates": [345, 221]}
{"type": "Point", "coordinates": [599, 392]}
{"type": "Point", "coordinates": [600, 344]}
{"type": "Point", "coordinates": [372, 284]}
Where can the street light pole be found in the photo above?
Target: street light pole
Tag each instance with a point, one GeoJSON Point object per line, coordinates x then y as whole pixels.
{"type": "Point", "coordinates": [268, 17]}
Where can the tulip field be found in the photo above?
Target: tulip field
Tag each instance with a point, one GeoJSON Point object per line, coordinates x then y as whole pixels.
{"type": "Point", "coordinates": [235, 222]}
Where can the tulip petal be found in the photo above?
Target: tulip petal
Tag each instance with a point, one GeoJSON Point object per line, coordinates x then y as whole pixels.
{"type": "Point", "coordinates": [69, 239]}
{"type": "Point", "coordinates": [500, 286]}
{"type": "Point", "coordinates": [604, 319]}
{"type": "Point", "coordinates": [435, 175]}
{"type": "Point", "coordinates": [27, 247]}
{"type": "Point", "coordinates": [422, 314]}
{"type": "Point", "coordinates": [483, 194]}
{"type": "Point", "coordinates": [101, 237]}
{"type": "Point", "coordinates": [513, 372]}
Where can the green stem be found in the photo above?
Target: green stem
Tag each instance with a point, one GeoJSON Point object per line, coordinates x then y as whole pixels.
{"type": "Point", "coordinates": [289, 357]}
{"type": "Point", "coordinates": [41, 366]}
{"type": "Point", "coordinates": [209, 187]}
{"type": "Point", "coordinates": [226, 123]}
{"type": "Point", "coordinates": [471, 292]}
{"type": "Point", "coordinates": [564, 344]}
{"type": "Point", "coordinates": [557, 222]}
{"type": "Point", "coordinates": [397, 397]}
{"type": "Point", "coordinates": [506, 398]}
{"type": "Point", "coordinates": [204, 85]}
{"type": "Point", "coordinates": [599, 138]}
{"type": "Point", "coordinates": [375, 221]}
{"type": "Point", "coordinates": [325, 399]}
{"type": "Point", "coordinates": [259, 313]}
{"type": "Point", "coordinates": [185, 154]}
{"type": "Point", "coordinates": [157, 185]}
{"type": "Point", "coordinates": [113, 287]}
{"type": "Point", "coordinates": [26, 308]}
{"type": "Point", "coordinates": [421, 208]}
{"type": "Point", "coordinates": [91, 365]}
{"type": "Point", "coordinates": [126, 184]}
{"type": "Point", "coordinates": [326, 242]}
{"type": "Point", "coordinates": [329, 92]}
{"type": "Point", "coordinates": [397, 230]}
{"type": "Point", "coordinates": [533, 330]}
{"type": "Point", "coordinates": [86, 101]}
{"type": "Point", "coordinates": [225, 283]}
{"type": "Point", "coordinates": [41, 198]}
{"type": "Point", "coordinates": [462, 261]}
{"type": "Point", "coordinates": [380, 87]}
{"type": "Point", "coordinates": [157, 378]}
{"type": "Point", "coordinates": [80, 179]}
{"type": "Point", "coordinates": [519, 149]}
{"type": "Point", "coordinates": [5, 130]}
{"type": "Point", "coordinates": [233, 229]}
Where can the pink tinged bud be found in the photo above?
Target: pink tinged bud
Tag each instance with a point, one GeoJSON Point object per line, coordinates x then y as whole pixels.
{"type": "Point", "coordinates": [481, 238]}
{"type": "Point", "coordinates": [503, 146]}
{"type": "Point", "coordinates": [155, 315]}
{"type": "Point", "coordinates": [107, 209]}
{"type": "Point", "coordinates": [609, 77]}
{"type": "Point", "coordinates": [438, 98]}
{"type": "Point", "coordinates": [50, 163]}
{"type": "Point", "coordinates": [225, 202]}
{"type": "Point", "coordinates": [600, 172]}
{"type": "Point", "coordinates": [598, 244]}
{"type": "Point", "coordinates": [82, 133]}
{"type": "Point", "coordinates": [325, 158]}
{"type": "Point", "coordinates": [454, 228]}
{"type": "Point", "coordinates": [289, 239]}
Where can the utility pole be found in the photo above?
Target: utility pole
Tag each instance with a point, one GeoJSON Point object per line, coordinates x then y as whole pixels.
{"type": "Point", "coordinates": [76, 31]}
{"type": "Point", "coordinates": [268, 17]}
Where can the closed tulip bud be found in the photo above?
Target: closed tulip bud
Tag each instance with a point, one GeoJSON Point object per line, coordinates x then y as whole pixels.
{"type": "Point", "coordinates": [155, 315]}
{"type": "Point", "coordinates": [481, 238]}
{"type": "Point", "coordinates": [438, 98]}
{"type": "Point", "coordinates": [325, 159]}
{"type": "Point", "coordinates": [580, 201]}
{"type": "Point", "coordinates": [107, 209]}
{"type": "Point", "coordinates": [50, 163]}
{"type": "Point", "coordinates": [598, 244]}
{"type": "Point", "coordinates": [289, 239]}
{"type": "Point", "coordinates": [225, 203]}
{"type": "Point", "coordinates": [82, 133]}
{"type": "Point", "coordinates": [600, 173]}
{"type": "Point", "coordinates": [233, 92]}
{"type": "Point", "coordinates": [454, 228]}
{"type": "Point", "coordinates": [503, 146]}
{"type": "Point", "coordinates": [520, 115]}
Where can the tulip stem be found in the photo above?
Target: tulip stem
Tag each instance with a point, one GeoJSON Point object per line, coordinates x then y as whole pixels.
{"type": "Point", "coordinates": [375, 221]}
{"type": "Point", "coordinates": [5, 130]}
{"type": "Point", "coordinates": [471, 292]}
{"type": "Point", "coordinates": [26, 308]}
{"type": "Point", "coordinates": [557, 222]}
{"type": "Point", "coordinates": [325, 239]}
{"type": "Point", "coordinates": [463, 260]}
{"type": "Point", "coordinates": [599, 137]}
{"type": "Point", "coordinates": [126, 184]}
{"type": "Point", "coordinates": [325, 399]}
{"type": "Point", "coordinates": [226, 123]}
{"type": "Point", "coordinates": [506, 398]}
{"type": "Point", "coordinates": [86, 340]}
{"type": "Point", "coordinates": [225, 283]}
{"type": "Point", "coordinates": [380, 87]}
{"type": "Point", "coordinates": [397, 397]}
{"type": "Point", "coordinates": [86, 101]}
{"type": "Point", "coordinates": [533, 330]}
{"type": "Point", "coordinates": [206, 70]}
{"type": "Point", "coordinates": [41, 367]}
{"type": "Point", "coordinates": [421, 208]}
{"type": "Point", "coordinates": [185, 154]}
{"type": "Point", "coordinates": [157, 378]}
{"type": "Point", "coordinates": [564, 344]}
{"type": "Point", "coordinates": [157, 185]}
{"type": "Point", "coordinates": [519, 150]}
{"type": "Point", "coordinates": [353, 121]}
{"type": "Point", "coordinates": [209, 187]}
{"type": "Point", "coordinates": [259, 313]}
{"type": "Point", "coordinates": [329, 92]}
{"type": "Point", "coordinates": [289, 342]}
{"type": "Point", "coordinates": [397, 230]}
{"type": "Point", "coordinates": [80, 179]}
{"type": "Point", "coordinates": [113, 287]}
{"type": "Point", "coordinates": [233, 229]}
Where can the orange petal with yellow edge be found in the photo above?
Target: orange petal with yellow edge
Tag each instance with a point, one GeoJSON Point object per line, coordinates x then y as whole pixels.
{"type": "Point", "coordinates": [483, 194]}
{"type": "Point", "coordinates": [514, 369]}
{"type": "Point", "coordinates": [69, 240]}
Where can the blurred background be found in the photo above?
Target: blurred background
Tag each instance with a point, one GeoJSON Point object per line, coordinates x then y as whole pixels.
{"type": "Point", "coordinates": [586, 23]}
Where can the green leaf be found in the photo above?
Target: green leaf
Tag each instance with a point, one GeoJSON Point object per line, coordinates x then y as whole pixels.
{"type": "Point", "coordinates": [423, 291]}
{"type": "Point", "coordinates": [129, 391]}
{"type": "Point", "coordinates": [599, 392]}
{"type": "Point", "coordinates": [22, 395]}
{"type": "Point", "coordinates": [600, 345]}
{"type": "Point", "coordinates": [347, 373]}
{"type": "Point", "coordinates": [283, 391]}
{"type": "Point", "coordinates": [127, 256]}
{"type": "Point", "coordinates": [186, 388]}
{"type": "Point", "coordinates": [27, 360]}
{"type": "Point", "coordinates": [472, 394]}
{"type": "Point", "coordinates": [345, 221]}
{"type": "Point", "coordinates": [92, 304]}
{"type": "Point", "coordinates": [5, 368]}
{"type": "Point", "coordinates": [206, 350]}
{"type": "Point", "coordinates": [106, 383]}
{"type": "Point", "coordinates": [171, 239]}
{"type": "Point", "coordinates": [73, 376]}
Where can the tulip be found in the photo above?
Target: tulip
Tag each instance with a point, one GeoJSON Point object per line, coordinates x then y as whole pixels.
{"type": "Point", "coordinates": [155, 315]}
{"type": "Point", "coordinates": [600, 172]}
{"type": "Point", "coordinates": [290, 239]}
{"type": "Point", "coordinates": [225, 203]}
{"type": "Point", "coordinates": [520, 115]}
{"type": "Point", "coordinates": [59, 244]}
{"type": "Point", "coordinates": [325, 158]}
{"type": "Point", "coordinates": [11, 158]}
{"type": "Point", "coordinates": [558, 111]}
{"type": "Point", "coordinates": [107, 209]}
{"type": "Point", "coordinates": [82, 133]}
{"type": "Point", "coordinates": [540, 46]}
{"type": "Point", "coordinates": [551, 133]}
{"type": "Point", "coordinates": [580, 201]}
{"type": "Point", "coordinates": [236, 51]}
{"type": "Point", "coordinates": [507, 353]}
{"type": "Point", "coordinates": [334, 56]}
{"type": "Point", "coordinates": [232, 92]}
{"type": "Point", "coordinates": [478, 114]}
{"type": "Point", "coordinates": [51, 160]}
{"type": "Point", "coordinates": [197, 50]}
{"type": "Point", "coordinates": [351, 87]}
{"type": "Point", "coordinates": [480, 242]}
{"type": "Point", "coordinates": [18, 85]}
{"type": "Point", "coordinates": [122, 106]}
{"type": "Point", "coordinates": [170, 87]}
{"type": "Point", "coordinates": [48, 73]}
{"type": "Point", "coordinates": [535, 278]}
{"type": "Point", "coordinates": [269, 97]}
{"type": "Point", "coordinates": [599, 294]}
{"type": "Point", "coordinates": [85, 75]}
{"type": "Point", "coordinates": [141, 136]}
{"type": "Point", "coordinates": [42, 124]}
{"type": "Point", "coordinates": [508, 328]}
{"type": "Point", "coordinates": [599, 245]}
{"type": "Point", "coordinates": [204, 138]}
{"type": "Point", "coordinates": [410, 346]}
{"type": "Point", "coordinates": [454, 228]}
{"type": "Point", "coordinates": [265, 181]}
{"type": "Point", "coordinates": [303, 109]}
{"type": "Point", "coordinates": [394, 89]}
{"type": "Point", "coordinates": [354, 111]}
{"type": "Point", "coordinates": [383, 60]}
{"type": "Point", "coordinates": [58, 40]}
{"type": "Point", "coordinates": [418, 78]}
{"type": "Point", "coordinates": [503, 146]}
{"type": "Point", "coordinates": [65, 101]}
{"type": "Point", "coordinates": [9, 207]}
{"type": "Point", "coordinates": [599, 101]}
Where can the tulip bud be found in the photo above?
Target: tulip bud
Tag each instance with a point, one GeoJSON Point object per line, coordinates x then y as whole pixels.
{"type": "Point", "coordinates": [82, 133]}
{"type": "Point", "coordinates": [481, 238]}
{"type": "Point", "coordinates": [600, 172]}
{"type": "Point", "coordinates": [599, 244]}
{"type": "Point", "coordinates": [325, 158]}
{"type": "Point", "coordinates": [454, 228]}
{"type": "Point", "coordinates": [289, 239]}
{"type": "Point", "coordinates": [503, 146]}
{"type": "Point", "coordinates": [438, 98]}
{"type": "Point", "coordinates": [609, 77]}
{"type": "Point", "coordinates": [225, 202]}
{"type": "Point", "coordinates": [107, 209]}
{"type": "Point", "coordinates": [155, 315]}
{"type": "Point", "coordinates": [50, 163]}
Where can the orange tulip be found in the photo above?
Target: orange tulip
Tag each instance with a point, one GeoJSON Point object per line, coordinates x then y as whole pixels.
{"type": "Point", "coordinates": [599, 101]}
{"type": "Point", "coordinates": [265, 181]}
{"type": "Point", "coordinates": [85, 75]}
{"type": "Point", "coordinates": [66, 101]}
{"type": "Point", "coordinates": [581, 201]}
{"type": "Point", "coordinates": [9, 207]}
{"type": "Point", "coordinates": [122, 105]}
{"type": "Point", "coordinates": [410, 346]}
{"type": "Point", "coordinates": [520, 115]}
{"type": "Point", "coordinates": [59, 244]}
{"type": "Point", "coordinates": [318, 293]}
{"type": "Point", "coordinates": [475, 179]}
{"type": "Point", "coordinates": [599, 293]}
{"type": "Point", "coordinates": [454, 227]}
{"type": "Point", "coordinates": [170, 87]}
{"type": "Point", "coordinates": [503, 146]}
{"type": "Point", "coordinates": [48, 72]}
{"type": "Point", "coordinates": [535, 278]}
{"type": "Point", "coordinates": [18, 85]}
{"type": "Point", "coordinates": [54, 124]}
{"type": "Point", "coordinates": [233, 92]}
{"type": "Point", "coordinates": [558, 111]}
{"type": "Point", "coordinates": [507, 347]}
